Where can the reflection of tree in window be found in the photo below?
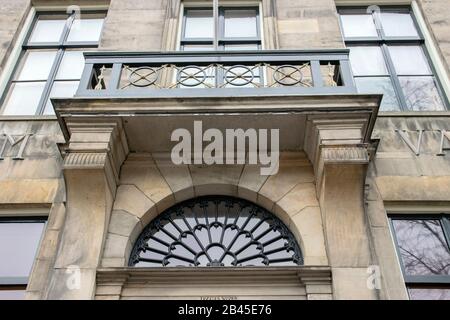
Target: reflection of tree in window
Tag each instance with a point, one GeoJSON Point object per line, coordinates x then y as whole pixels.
{"type": "Point", "coordinates": [421, 94]}
{"type": "Point", "coordinates": [423, 247]}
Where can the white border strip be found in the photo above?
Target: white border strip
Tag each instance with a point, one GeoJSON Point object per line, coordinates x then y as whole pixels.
{"type": "Point", "coordinates": [432, 49]}
{"type": "Point", "coordinates": [15, 53]}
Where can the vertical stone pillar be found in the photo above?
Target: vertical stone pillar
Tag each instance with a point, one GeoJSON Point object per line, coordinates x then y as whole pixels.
{"type": "Point", "coordinates": [91, 168]}
{"type": "Point", "coordinates": [339, 150]}
{"type": "Point", "coordinates": [345, 223]}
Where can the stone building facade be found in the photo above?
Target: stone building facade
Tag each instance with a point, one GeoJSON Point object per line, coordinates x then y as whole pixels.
{"type": "Point", "coordinates": [363, 188]}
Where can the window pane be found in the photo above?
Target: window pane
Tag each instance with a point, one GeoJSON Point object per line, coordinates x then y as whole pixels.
{"type": "Point", "coordinates": [71, 66]}
{"type": "Point", "coordinates": [24, 98]}
{"type": "Point", "coordinates": [358, 25]}
{"type": "Point", "coordinates": [422, 247]}
{"type": "Point", "coordinates": [85, 30]}
{"type": "Point", "coordinates": [12, 294]}
{"type": "Point", "coordinates": [18, 246]}
{"type": "Point", "coordinates": [61, 89]}
{"type": "Point", "coordinates": [367, 61]}
{"type": "Point", "coordinates": [47, 30]}
{"type": "Point", "coordinates": [199, 24]}
{"type": "Point", "coordinates": [398, 25]}
{"type": "Point", "coordinates": [240, 23]}
{"type": "Point", "coordinates": [37, 65]}
{"type": "Point", "coordinates": [379, 85]}
{"type": "Point", "coordinates": [421, 94]}
{"type": "Point", "coordinates": [237, 47]}
{"type": "Point", "coordinates": [429, 294]}
{"type": "Point", "coordinates": [409, 60]}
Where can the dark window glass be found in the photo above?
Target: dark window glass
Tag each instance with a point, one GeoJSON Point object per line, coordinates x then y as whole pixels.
{"type": "Point", "coordinates": [238, 29]}
{"type": "Point", "coordinates": [18, 246]}
{"type": "Point", "coordinates": [422, 247]}
{"type": "Point", "coordinates": [12, 293]}
{"type": "Point", "coordinates": [19, 243]}
{"type": "Point", "coordinates": [424, 253]}
{"type": "Point", "coordinates": [53, 53]}
{"type": "Point", "coordinates": [215, 231]}
{"type": "Point", "coordinates": [388, 56]}
{"type": "Point", "coordinates": [429, 293]}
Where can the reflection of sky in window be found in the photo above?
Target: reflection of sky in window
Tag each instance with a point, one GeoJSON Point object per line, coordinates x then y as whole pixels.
{"type": "Point", "coordinates": [18, 246]}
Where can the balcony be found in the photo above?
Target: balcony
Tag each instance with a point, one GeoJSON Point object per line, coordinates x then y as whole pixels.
{"type": "Point", "coordinates": [215, 74]}
{"type": "Point", "coordinates": [140, 99]}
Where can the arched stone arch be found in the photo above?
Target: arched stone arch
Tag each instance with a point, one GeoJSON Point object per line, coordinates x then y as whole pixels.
{"type": "Point", "coordinates": [150, 184]}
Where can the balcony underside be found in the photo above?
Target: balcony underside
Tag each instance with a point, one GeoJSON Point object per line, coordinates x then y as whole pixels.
{"type": "Point", "coordinates": [148, 123]}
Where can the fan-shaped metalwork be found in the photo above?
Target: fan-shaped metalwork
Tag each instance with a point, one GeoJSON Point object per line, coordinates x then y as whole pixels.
{"type": "Point", "coordinates": [215, 231]}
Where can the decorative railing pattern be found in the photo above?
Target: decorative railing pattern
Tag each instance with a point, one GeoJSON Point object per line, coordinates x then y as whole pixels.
{"type": "Point", "coordinates": [109, 74]}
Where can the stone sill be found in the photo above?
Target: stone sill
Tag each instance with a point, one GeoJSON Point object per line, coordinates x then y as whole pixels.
{"type": "Point", "coordinates": [216, 274]}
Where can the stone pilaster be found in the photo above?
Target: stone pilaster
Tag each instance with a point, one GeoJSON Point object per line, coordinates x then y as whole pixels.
{"type": "Point", "coordinates": [340, 151]}
{"type": "Point", "coordinates": [92, 161]}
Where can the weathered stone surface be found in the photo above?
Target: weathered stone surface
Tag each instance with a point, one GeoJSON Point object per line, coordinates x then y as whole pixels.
{"type": "Point", "coordinates": [28, 191]}
{"type": "Point", "coordinates": [436, 13]}
{"type": "Point", "coordinates": [117, 246]}
{"type": "Point", "coordinates": [307, 226]}
{"type": "Point", "coordinates": [392, 282]}
{"type": "Point", "coordinates": [177, 177]}
{"type": "Point", "coordinates": [125, 224]}
{"type": "Point", "coordinates": [301, 196]}
{"type": "Point", "coordinates": [113, 262]}
{"type": "Point", "coordinates": [219, 179]}
{"type": "Point", "coordinates": [39, 277]}
{"type": "Point", "coordinates": [277, 186]}
{"type": "Point", "coordinates": [12, 16]}
{"type": "Point", "coordinates": [351, 284]}
{"type": "Point", "coordinates": [87, 214]}
{"type": "Point", "coordinates": [132, 200]}
{"type": "Point", "coordinates": [308, 24]}
{"type": "Point", "coordinates": [134, 26]}
{"type": "Point", "coordinates": [62, 287]}
{"type": "Point", "coordinates": [145, 176]}
{"type": "Point", "coordinates": [250, 182]}
{"type": "Point", "coordinates": [393, 188]}
{"type": "Point", "coordinates": [342, 206]}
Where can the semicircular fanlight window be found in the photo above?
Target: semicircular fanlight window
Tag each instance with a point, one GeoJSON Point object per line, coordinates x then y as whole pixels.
{"type": "Point", "coordinates": [215, 231]}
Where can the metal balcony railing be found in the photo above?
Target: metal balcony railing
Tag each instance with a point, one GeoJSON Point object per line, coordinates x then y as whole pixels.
{"type": "Point", "coordinates": [218, 73]}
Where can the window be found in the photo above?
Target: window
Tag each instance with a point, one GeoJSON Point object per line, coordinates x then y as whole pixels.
{"type": "Point", "coordinates": [215, 231]}
{"type": "Point", "coordinates": [51, 62]}
{"type": "Point", "coordinates": [238, 29]}
{"type": "Point", "coordinates": [423, 247]}
{"type": "Point", "coordinates": [19, 242]}
{"type": "Point", "coordinates": [388, 56]}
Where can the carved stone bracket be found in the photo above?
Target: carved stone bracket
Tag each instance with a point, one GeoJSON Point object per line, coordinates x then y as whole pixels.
{"type": "Point", "coordinates": [96, 145]}
{"type": "Point", "coordinates": [338, 140]}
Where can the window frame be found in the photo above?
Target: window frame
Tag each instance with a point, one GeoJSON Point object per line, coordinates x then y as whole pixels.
{"type": "Point", "coordinates": [21, 283]}
{"type": "Point", "coordinates": [383, 42]}
{"type": "Point", "coordinates": [61, 46]}
{"type": "Point", "coordinates": [422, 281]}
{"type": "Point", "coordinates": [222, 40]}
